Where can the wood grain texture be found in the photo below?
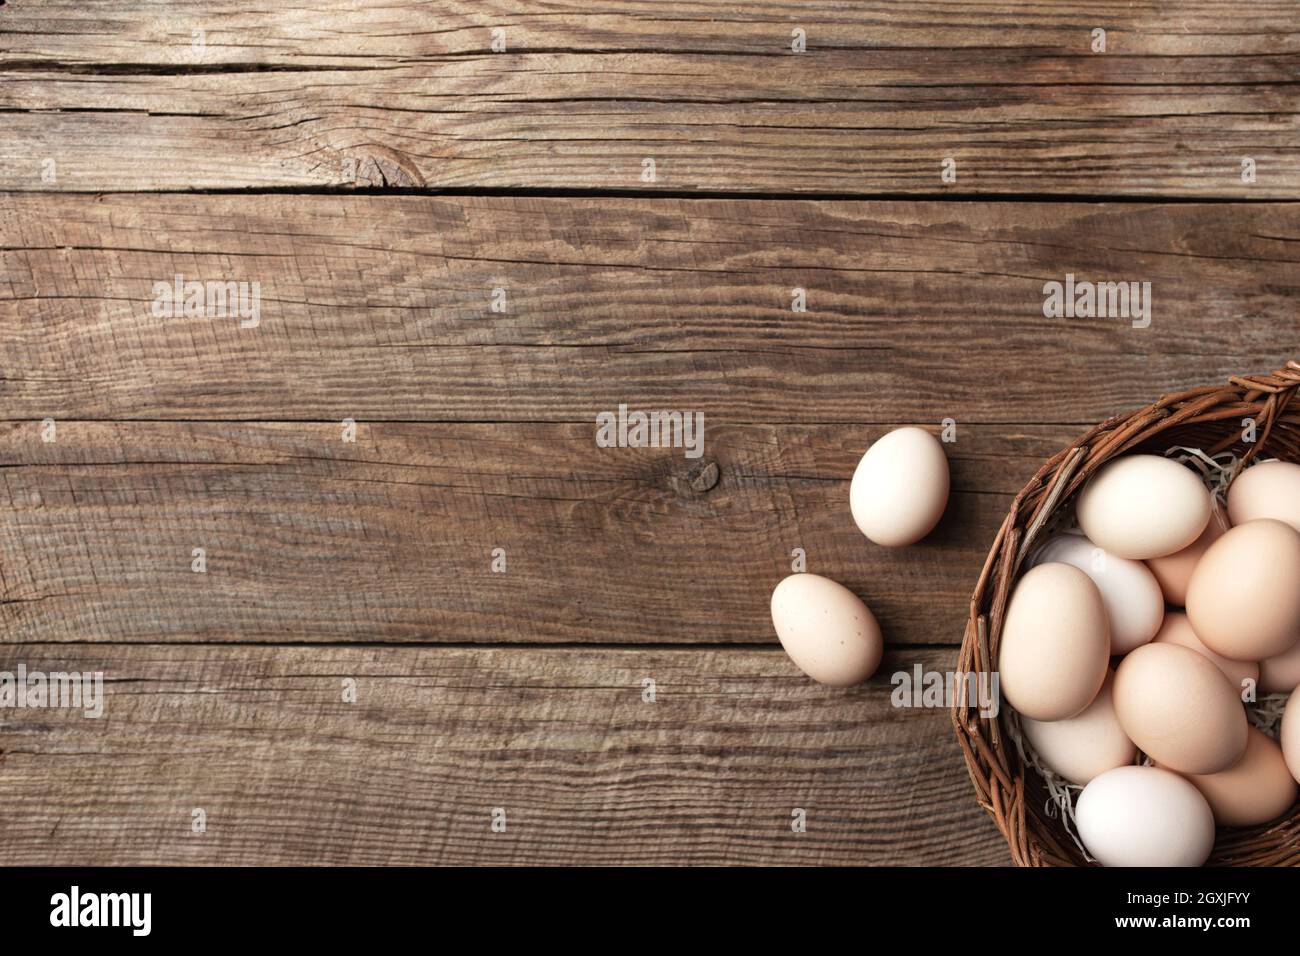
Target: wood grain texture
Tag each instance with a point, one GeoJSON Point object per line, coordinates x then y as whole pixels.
{"type": "Point", "coordinates": [587, 772]}
{"type": "Point", "coordinates": [391, 538]}
{"type": "Point", "coordinates": [378, 308]}
{"type": "Point", "coordinates": [410, 94]}
{"type": "Point", "coordinates": [370, 561]}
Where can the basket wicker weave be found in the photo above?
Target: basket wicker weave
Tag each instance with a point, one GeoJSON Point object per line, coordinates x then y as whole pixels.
{"type": "Point", "coordinates": [1209, 418]}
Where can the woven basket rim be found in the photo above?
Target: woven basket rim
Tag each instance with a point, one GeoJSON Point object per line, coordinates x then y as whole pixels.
{"type": "Point", "coordinates": [1012, 793]}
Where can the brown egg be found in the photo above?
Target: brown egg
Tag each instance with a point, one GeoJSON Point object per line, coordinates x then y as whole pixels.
{"type": "Point", "coordinates": [1257, 789]}
{"type": "Point", "coordinates": [1177, 629]}
{"type": "Point", "coordinates": [1174, 571]}
{"type": "Point", "coordinates": [1291, 734]}
{"type": "Point", "coordinates": [1281, 674]}
{"type": "Point", "coordinates": [1270, 489]}
{"type": "Point", "coordinates": [1244, 596]}
{"type": "Point", "coordinates": [1176, 706]}
{"type": "Point", "coordinates": [826, 629]}
{"type": "Point", "coordinates": [1055, 644]}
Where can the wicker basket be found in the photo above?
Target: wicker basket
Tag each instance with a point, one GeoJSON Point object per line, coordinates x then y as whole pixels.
{"type": "Point", "coordinates": [1209, 418]}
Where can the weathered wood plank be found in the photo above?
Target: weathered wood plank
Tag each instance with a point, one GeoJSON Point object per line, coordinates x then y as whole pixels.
{"type": "Point", "coordinates": [77, 32]}
{"type": "Point", "coordinates": [390, 538]}
{"type": "Point", "coordinates": [586, 771]}
{"type": "Point", "coordinates": [336, 94]}
{"type": "Point", "coordinates": [380, 308]}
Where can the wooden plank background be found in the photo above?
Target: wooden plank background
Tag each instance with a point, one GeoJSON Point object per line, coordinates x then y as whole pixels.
{"type": "Point", "coordinates": [379, 308]}
{"type": "Point", "coordinates": [391, 538]}
{"type": "Point", "coordinates": [410, 94]}
{"type": "Point", "coordinates": [329, 560]}
{"type": "Point", "coordinates": [585, 770]}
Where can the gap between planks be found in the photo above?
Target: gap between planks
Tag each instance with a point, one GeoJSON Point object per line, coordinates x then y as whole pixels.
{"type": "Point", "coordinates": [699, 195]}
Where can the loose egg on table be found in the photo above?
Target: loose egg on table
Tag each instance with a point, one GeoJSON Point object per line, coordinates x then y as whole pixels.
{"type": "Point", "coordinates": [1134, 603]}
{"type": "Point", "coordinates": [1144, 816]}
{"type": "Point", "coordinates": [1143, 506]}
{"type": "Point", "coordinates": [826, 629]}
{"type": "Point", "coordinates": [1178, 708]}
{"type": "Point", "coordinates": [900, 487]}
{"type": "Point", "coordinates": [1055, 644]}
{"type": "Point", "coordinates": [1244, 596]}
{"type": "Point", "coordinates": [1270, 489]}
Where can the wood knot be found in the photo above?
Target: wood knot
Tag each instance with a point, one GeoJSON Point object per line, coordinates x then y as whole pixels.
{"type": "Point", "coordinates": [701, 478]}
{"type": "Point", "coordinates": [381, 166]}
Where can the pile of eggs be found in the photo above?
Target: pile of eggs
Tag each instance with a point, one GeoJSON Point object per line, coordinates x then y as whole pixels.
{"type": "Point", "coordinates": [1143, 634]}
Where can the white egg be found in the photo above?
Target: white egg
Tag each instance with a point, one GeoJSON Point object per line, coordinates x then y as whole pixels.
{"type": "Point", "coordinates": [900, 487]}
{"type": "Point", "coordinates": [1143, 506]}
{"type": "Point", "coordinates": [1144, 816]}
{"type": "Point", "coordinates": [1084, 746]}
{"type": "Point", "coordinates": [1135, 605]}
